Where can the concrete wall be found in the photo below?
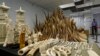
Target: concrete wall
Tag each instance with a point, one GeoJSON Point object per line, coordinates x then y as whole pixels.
{"type": "Point", "coordinates": [30, 9]}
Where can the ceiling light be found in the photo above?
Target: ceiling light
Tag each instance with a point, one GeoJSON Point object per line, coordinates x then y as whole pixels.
{"type": "Point", "coordinates": [67, 5]}
{"type": "Point", "coordinates": [77, 0]}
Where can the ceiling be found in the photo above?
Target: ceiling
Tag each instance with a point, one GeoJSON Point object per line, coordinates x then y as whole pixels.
{"type": "Point", "coordinates": [50, 4]}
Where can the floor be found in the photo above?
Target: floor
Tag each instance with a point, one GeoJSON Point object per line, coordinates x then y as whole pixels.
{"type": "Point", "coordinates": [91, 40]}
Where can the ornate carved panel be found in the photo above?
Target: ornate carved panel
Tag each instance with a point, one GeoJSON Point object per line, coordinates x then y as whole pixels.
{"type": "Point", "coordinates": [2, 32]}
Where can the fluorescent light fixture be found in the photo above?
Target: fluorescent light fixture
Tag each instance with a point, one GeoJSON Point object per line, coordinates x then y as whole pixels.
{"type": "Point", "coordinates": [80, 13]}
{"type": "Point", "coordinates": [67, 5]}
{"type": "Point", "coordinates": [86, 11]}
{"type": "Point", "coordinates": [85, 5]}
{"type": "Point", "coordinates": [77, 0]}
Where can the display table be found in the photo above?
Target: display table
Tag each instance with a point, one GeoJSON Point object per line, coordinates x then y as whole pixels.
{"type": "Point", "coordinates": [8, 51]}
{"type": "Point", "coordinates": [12, 51]}
{"type": "Point", "coordinates": [96, 48]}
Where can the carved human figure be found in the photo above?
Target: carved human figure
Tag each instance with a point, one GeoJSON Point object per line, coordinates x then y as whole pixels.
{"type": "Point", "coordinates": [16, 35]}
{"type": "Point", "coordinates": [10, 34]}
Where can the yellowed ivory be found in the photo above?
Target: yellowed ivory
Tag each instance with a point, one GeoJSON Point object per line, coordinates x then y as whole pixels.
{"type": "Point", "coordinates": [25, 49]}
{"type": "Point", "coordinates": [92, 53]}
{"type": "Point", "coordinates": [59, 51]}
{"type": "Point", "coordinates": [36, 36]}
{"type": "Point", "coordinates": [20, 22]}
{"type": "Point", "coordinates": [3, 21]}
{"type": "Point", "coordinates": [10, 34]}
{"type": "Point", "coordinates": [48, 44]}
{"type": "Point", "coordinates": [50, 52]}
{"type": "Point", "coordinates": [35, 48]}
{"type": "Point", "coordinates": [29, 40]}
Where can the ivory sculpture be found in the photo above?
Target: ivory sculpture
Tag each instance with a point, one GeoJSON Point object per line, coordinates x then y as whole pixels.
{"type": "Point", "coordinates": [63, 47]}
{"type": "Point", "coordinates": [92, 53]}
{"type": "Point", "coordinates": [47, 44]}
{"type": "Point", "coordinates": [58, 51]}
{"type": "Point", "coordinates": [20, 23]}
{"type": "Point", "coordinates": [35, 48]}
{"type": "Point", "coordinates": [22, 38]}
{"type": "Point", "coordinates": [31, 48]}
{"type": "Point", "coordinates": [29, 40]}
{"type": "Point", "coordinates": [25, 49]}
{"type": "Point", "coordinates": [10, 34]}
{"type": "Point", "coordinates": [16, 34]}
{"type": "Point", "coordinates": [57, 23]}
{"type": "Point", "coordinates": [3, 21]}
{"type": "Point", "coordinates": [54, 47]}
{"type": "Point", "coordinates": [36, 36]}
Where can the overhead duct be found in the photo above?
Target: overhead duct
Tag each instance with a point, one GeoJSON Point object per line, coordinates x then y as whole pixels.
{"type": "Point", "coordinates": [89, 4]}
{"type": "Point", "coordinates": [79, 2]}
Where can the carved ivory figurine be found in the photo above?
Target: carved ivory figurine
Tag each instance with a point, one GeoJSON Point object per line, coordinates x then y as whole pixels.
{"type": "Point", "coordinates": [48, 44]}
{"type": "Point", "coordinates": [35, 48]}
{"type": "Point", "coordinates": [31, 48]}
{"type": "Point", "coordinates": [25, 49]}
{"type": "Point", "coordinates": [22, 37]}
{"type": "Point", "coordinates": [16, 34]}
{"type": "Point", "coordinates": [53, 52]}
{"type": "Point", "coordinates": [50, 52]}
{"type": "Point", "coordinates": [58, 51]}
{"type": "Point", "coordinates": [36, 36]}
{"type": "Point", "coordinates": [10, 34]}
{"type": "Point", "coordinates": [29, 40]}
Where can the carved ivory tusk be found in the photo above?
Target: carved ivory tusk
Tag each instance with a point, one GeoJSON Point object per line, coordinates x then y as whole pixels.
{"type": "Point", "coordinates": [29, 40]}
{"type": "Point", "coordinates": [53, 53]}
{"type": "Point", "coordinates": [83, 40]}
{"type": "Point", "coordinates": [47, 44]}
{"type": "Point", "coordinates": [68, 50]}
{"type": "Point", "coordinates": [25, 49]}
{"type": "Point", "coordinates": [32, 51]}
{"type": "Point", "coordinates": [35, 48]}
{"type": "Point", "coordinates": [48, 52]}
{"type": "Point", "coordinates": [55, 48]}
{"type": "Point", "coordinates": [92, 53]}
{"type": "Point", "coordinates": [63, 52]}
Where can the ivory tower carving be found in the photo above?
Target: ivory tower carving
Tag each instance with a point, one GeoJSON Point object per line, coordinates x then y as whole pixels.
{"type": "Point", "coordinates": [20, 20]}
{"type": "Point", "coordinates": [3, 21]}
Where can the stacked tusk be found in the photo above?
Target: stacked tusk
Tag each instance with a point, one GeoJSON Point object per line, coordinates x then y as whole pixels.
{"type": "Point", "coordinates": [25, 49]}
{"type": "Point", "coordinates": [56, 24]}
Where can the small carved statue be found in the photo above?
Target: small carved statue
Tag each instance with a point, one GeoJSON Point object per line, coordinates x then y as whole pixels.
{"type": "Point", "coordinates": [22, 38]}
{"type": "Point", "coordinates": [10, 34]}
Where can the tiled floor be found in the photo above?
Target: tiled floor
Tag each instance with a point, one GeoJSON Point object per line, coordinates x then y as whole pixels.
{"type": "Point", "coordinates": [91, 40]}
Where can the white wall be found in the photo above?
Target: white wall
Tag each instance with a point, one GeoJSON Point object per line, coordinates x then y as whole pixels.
{"type": "Point", "coordinates": [83, 19]}
{"type": "Point", "coordinates": [97, 17]}
{"type": "Point", "coordinates": [95, 10]}
{"type": "Point", "coordinates": [79, 20]}
{"type": "Point", "coordinates": [30, 9]}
